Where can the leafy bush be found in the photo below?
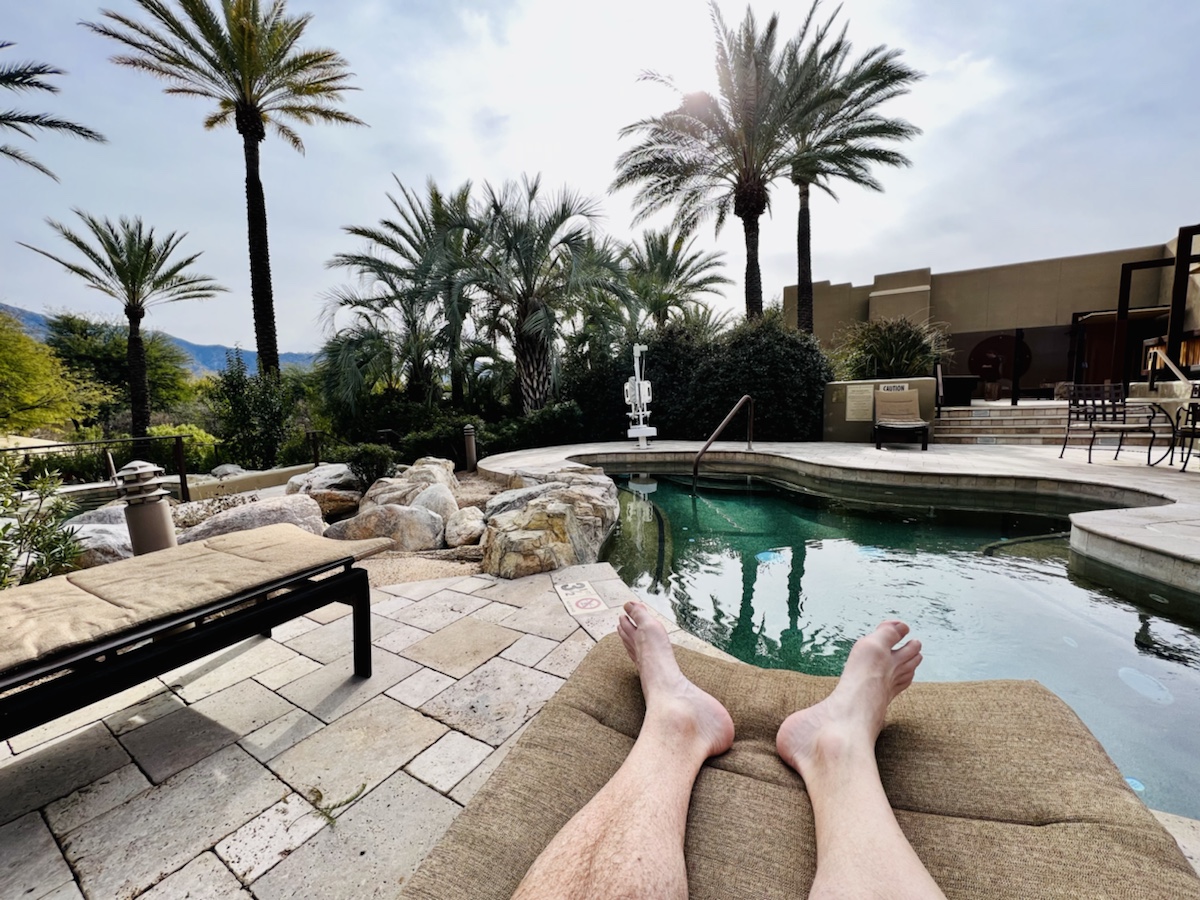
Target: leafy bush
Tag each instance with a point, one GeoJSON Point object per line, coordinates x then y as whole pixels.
{"type": "Point", "coordinates": [890, 348]}
{"type": "Point", "coordinates": [370, 462]}
{"type": "Point", "coordinates": [199, 447]}
{"type": "Point", "coordinates": [558, 423]}
{"type": "Point", "coordinates": [784, 371]}
{"type": "Point", "coordinates": [252, 411]}
{"type": "Point", "coordinates": [445, 440]}
{"type": "Point", "coordinates": [33, 545]}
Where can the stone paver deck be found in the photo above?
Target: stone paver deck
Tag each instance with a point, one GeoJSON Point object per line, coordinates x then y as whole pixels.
{"type": "Point", "coordinates": [268, 770]}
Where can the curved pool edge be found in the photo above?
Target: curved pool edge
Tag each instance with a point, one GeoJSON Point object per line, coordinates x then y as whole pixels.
{"type": "Point", "coordinates": [1154, 534]}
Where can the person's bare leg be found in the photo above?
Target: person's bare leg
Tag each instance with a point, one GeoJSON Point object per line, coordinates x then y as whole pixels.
{"type": "Point", "coordinates": [861, 851]}
{"type": "Point", "coordinates": [628, 840]}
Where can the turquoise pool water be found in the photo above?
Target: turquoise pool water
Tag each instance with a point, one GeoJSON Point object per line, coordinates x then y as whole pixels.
{"type": "Point", "coordinates": [785, 580]}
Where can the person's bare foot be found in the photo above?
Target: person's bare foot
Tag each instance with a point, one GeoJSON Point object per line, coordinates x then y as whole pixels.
{"type": "Point", "coordinates": [849, 720]}
{"type": "Point", "coordinates": [674, 706]}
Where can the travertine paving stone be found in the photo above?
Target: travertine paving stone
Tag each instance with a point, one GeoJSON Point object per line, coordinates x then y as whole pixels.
{"type": "Point", "coordinates": [1186, 833]}
{"type": "Point", "coordinates": [419, 590]}
{"type": "Point", "coordinates": [370, 852]}
{"type": "Point", "coordinates": [327, 643]}
{"type": "Point", "coordinates": [282, 734]}
{"type": "Point", "coordinates": [92, 713]}
{"type": "Point", "coordinates": [262, 842]}
{"type": "Point", "coordinates": [440, 609]}
{"type": "Point", "coordinates": [403, 636]}
{"type": "Point", "coordinates": [494, 700]}
{"type": "Point", "coordinates": [30, 864]}
{"type": "Point", "coordinates": [467, 788]}
{"type": "Point", "coordinates": [32, 779]}
{"type": "Point", "coordinates": [495, 612]}
{"type": "Point", "coordinates": [285, 673]}
{"type": "Point", "coordinates": [391, 606]}
{"type": "Point", "coordinates": [592, 572]}
{"type": "Point", "coordinates": [461, 647]}
{"type": "Point", "coordinates": [358, 751]}
{"type": "Point", "coordinates": [129, 848]}
{"type": "Point", "coordinates": [522, 592]}
{"type": "Point", "coordinates": [546, 618]}
{"type": "Point", "coordinates": [600, 624]}
{"type": "Point", "coordinates": [215, 672]}
{"type": "Point", "coordinates": [172, 743]}
{"type": "Point", "coordinates": [416, 689]}
{"type": "Point", "coordinates": [204, 878]}
{"type": "Point", "coordinates": [161, 704]}
{"type": "Point", "coordinates": [330, 613]}
{"type": "Point", "coordinates": [569, 654]}
{"type": "Point", "coordinates": [448, 761]}
{"type": "Point", "coordinates": [335, 689]}
{"type": "Point", "coordinates": [95, 799]}
{"type": "Point", "coordinates": [293, 628]}
{"type": "Point", "coordinates": [5, 751]}
{"type": "Point", "coordinates": [529, 650]}
{"type": "Point", "coordinates": [474, 583]}
{"type": "Point", "coordinates": [682, 638]}
{"type": "Point", "coordinates": [69, 891]}
{"type": "Point", "coordinates": [614, 592]}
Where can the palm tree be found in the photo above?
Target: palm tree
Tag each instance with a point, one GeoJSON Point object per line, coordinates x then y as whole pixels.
{"type": "Point", "coordinates": [713, 155]}
{"type": "Point", "coordinates": [247, 59]}
{"type": "Point", "coordinates": [27, 76]}
{"type": "Point", "coordinates": [667, 275]}
{"type": "Point", "coordinates": [838, 133]}
{"type": "Point", "coordinates": [533, 257]}
{"type": "Point", "coordinates": [129, 264]}
{"type": "Point", "coordinates": [417, 248]}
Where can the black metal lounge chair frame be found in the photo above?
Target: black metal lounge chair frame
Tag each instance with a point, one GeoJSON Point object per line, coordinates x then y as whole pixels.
{"type": "Point", "coordinates": [50, 687]}
{"type": "Point", "coordinates": [920, 431]}
{"type": "Point", "coordinates": [1188, 426]}
{"type": "Point", "coordinates": [1102, 408]}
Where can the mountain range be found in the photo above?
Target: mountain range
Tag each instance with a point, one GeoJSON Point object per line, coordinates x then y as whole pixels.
{"type": "Point", "coordinates": [204, 358]}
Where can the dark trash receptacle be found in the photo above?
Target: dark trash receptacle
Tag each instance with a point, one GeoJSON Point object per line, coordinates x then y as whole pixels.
{"type": "Point", "coordinates": [957, 390]}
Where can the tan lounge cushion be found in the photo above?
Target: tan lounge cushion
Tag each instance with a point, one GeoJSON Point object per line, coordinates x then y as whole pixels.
{"type": "Point", "coordinates": [1000, 788]}
{"type": "Point", "coordinates": [73, 610]}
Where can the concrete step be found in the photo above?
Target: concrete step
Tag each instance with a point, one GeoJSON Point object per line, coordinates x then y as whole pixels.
{"type": "Point", "coordinates": [996, 428]}
{"type": "Point", "coordinates": [995, 412]}
{"type": "Point", "coordinates": [1076, 440]}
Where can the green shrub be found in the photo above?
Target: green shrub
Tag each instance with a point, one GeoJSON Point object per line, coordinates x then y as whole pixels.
{"type": "Point", "coordinates": [370, 462]}
{"type": "Point", "coordinates": [784, 371]}
{"type": "Point", "coordinates": [199, 448]}
{"type": "Point", "coordinates": [34, 545]}
{"type": "Point", "coordinates": [890, 348]}
{"type": "Point", "coordinates": [444, 440]}
{"type": "Point", "coordinates": [252, 411]}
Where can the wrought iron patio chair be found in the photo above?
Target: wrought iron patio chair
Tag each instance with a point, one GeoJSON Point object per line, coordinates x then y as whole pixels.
{"type": "Point", "coordinates": [1187, 426]}
{"type": "Point", "coordinates": [1101, 409]}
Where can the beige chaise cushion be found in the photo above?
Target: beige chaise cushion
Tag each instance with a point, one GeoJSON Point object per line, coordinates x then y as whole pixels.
{"type": "Point", "coordinates": [72, 610]}
{"type": "Point", "coordinates": [1000, 788]}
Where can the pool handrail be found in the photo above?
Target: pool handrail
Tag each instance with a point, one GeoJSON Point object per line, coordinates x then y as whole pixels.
{"type": "Point", "coordinates": [746, 398]}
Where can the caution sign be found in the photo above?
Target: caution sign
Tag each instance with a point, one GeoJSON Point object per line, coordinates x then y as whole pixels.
{"type": "Point", "coordinates": [579, 597]}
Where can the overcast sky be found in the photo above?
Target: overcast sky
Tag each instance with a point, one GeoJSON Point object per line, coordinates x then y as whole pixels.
{"type": "Point", "coordinates": [1051, 127]}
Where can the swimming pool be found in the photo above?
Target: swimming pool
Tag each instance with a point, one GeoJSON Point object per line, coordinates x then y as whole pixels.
{"type": "Point", "coordinates": [786, 580]}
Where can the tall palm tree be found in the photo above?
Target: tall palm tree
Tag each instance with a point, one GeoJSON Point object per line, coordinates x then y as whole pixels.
{"type": "Point", "coordinates": [28, 76]}
{"type": "Point", "coordinates": [246, 58]}
{"type": "Point", "coordinates": [533, 257]}
{"type": "Point", "coordinates": [128, 263]}
{"type": "Point", "coordinates": [713, 155]}
{"type": "Point", "coordinates": [667, 275]}
{"type": "Point", "coordinates": [418, 248]}
{"type": "Point", "coordinates": [842, 134]}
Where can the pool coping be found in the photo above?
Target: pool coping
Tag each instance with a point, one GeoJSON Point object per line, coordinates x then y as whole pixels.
{"type": "Point", "coordinates": [1154, 533]}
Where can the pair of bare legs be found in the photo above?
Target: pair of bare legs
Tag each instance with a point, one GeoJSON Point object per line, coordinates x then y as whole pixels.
{"type": "Point", "coordinates": [628, 840]}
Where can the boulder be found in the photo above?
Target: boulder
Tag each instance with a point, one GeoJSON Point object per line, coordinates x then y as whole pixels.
{"type": "Point", "coordinates": [596, 508]}
{"type": "Point", "coordinates": [410, 528]}
{"type": "Point", "coordinates": [432, 474]}
{"type": "Point", "coordinates": [189, 515]}
{"type": "Point", "coordinates": [227, 470]}
{"type": "Point", "coordinates": [437, 498]}
{"type": "Point", "coordinates": [465, 527]}
{"type": "Point", "coordinates": [105, 515]}
{"type": "Point", "coordinates": [543, 536]}
{"type": "Point", "coordinates": [527, 477]}
{"type": "Point", "coordinates": [515, 499]}
{"type": "Point", "coordinates": [445, 464]}
{"type": "Point", "coordinates": [336, 505]}
{"type": "Point", "coordinates": [297, 509]}
{"type": "Point", "coordinates": [327, 477]}
{"type": "Point", "coordinates": [391, 492]}
{"type": "Point", "coordinates": [102, 544]}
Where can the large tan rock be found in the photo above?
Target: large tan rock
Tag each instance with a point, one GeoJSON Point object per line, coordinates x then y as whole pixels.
{"type": "Point", "coordinates": [528, 477]}
{"type": "Point", "coordinates": [432, 473]}
{"type": "Point", "coordinates": [439, 499]}
{"type": "Point", "coordinates": [336, 504]}
{"type": "Point", "coordinates": [409, 528]}
{"type": "Point", "coordinates": [189, 515]}
{"type": "Point", "coordinates": [405, 488]}
{"type": "Point", "coordinates": [102, 544]}
{"type": "Point", "coordinates": [543, 536]}
{"type": "Point", "coordinates": [465, 527]}
{"type": "Point", "coordinates": [295, 509]}
{"type": "Point", "coordinates": [444, 464]}
{"type": "Point", "coordinates": [517, 498]}
{"type": "Point", "coordinates": [595, 506]}
{"type": "Point", "coordinates": [326, 477]}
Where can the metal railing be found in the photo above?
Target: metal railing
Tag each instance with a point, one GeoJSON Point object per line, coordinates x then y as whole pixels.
{"type": "Point", "coordinates": [746, 398]}
{"type": "Point", "coordinates": [1161, 353]}
{"type": "Point", "coordinates": [180, 464]}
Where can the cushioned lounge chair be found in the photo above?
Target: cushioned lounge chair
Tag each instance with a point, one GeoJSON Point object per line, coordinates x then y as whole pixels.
{"type": "Point", "coordinates": [1002, 791]}
{"type": "Point", "coordinates": [898, 413]}
{"type": "Point", "coordinates": [71, 640]}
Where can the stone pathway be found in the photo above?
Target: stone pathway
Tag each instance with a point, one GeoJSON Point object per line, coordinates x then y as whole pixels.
{"type": "Point", "coordinates": [267, 770]}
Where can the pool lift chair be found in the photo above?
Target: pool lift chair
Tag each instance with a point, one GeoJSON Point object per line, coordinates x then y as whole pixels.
{"type": "Point", "coordinates": [637, 396]}
{"type": "Point", "coordinates": [899, 413]}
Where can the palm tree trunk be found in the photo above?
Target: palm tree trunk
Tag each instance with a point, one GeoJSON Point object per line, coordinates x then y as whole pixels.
{"type": "Point", "coordinates": [260, 258]}
{"type": "Point", "coordinates": [139, 386]}
{"type": "Point", "coordinates": [533, 370]}
{"type": "Point", "coordinates": [804, 287]}
{"type": "Point", "coordinates": [754, 306]}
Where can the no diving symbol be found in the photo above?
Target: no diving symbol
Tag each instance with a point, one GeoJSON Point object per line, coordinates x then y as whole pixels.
{"type": "Point", "coordinates": [587, 603]}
